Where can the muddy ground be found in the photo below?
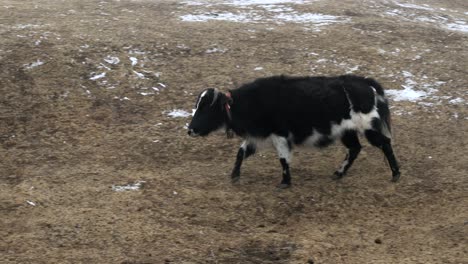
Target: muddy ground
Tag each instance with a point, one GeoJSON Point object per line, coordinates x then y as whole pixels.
{"type": "Point", "coordinates": [70, 134]}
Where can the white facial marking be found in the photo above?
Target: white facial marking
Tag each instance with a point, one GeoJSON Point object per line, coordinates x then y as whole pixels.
{"type": "Point", "coordinates": [199, 99]}
{"type": "Point", "coordinates": [215, 96]}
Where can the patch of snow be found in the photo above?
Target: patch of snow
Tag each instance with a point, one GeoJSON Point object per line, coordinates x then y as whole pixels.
{"type": "Point", "coordinates": [139, 75]}
{"type": "Point", "coordinates": [221, 16]}
{"type": "Point", "coordinates": [98, 76]}
{"type": "Point", "coordinates": [458, 26]}
{"type": "Point", "coordinates": [134, 61]}
{"type": "Point", "coordinates": [215, 50]}
{"type": "Point", "coordinates": [33, 65]}
{"type": "Point", "coordinates": [313, 18]}
{"type": "Point", "coordinates": [408, 93]}
{"type": "Point", "coordinates": [24, 26]}
{"type": "Point", "coordinates": [278, 8]}
{"type": "Point", "coordinates": [112, 60]}
{"type": "Point", "coordinates": [352, 69]}
{"type": "Point", "coordinates": [457, 101]}
{"type": "Point", "coordinates": [193, 3]}
{"type": "Point", "coordinates": [31, 203]}
{"type": "Point", "coordinates": [414, 6]}
{"type": "Point", "coordinates": [258, 69]}
{"type": "Point", "coordinates": [137, 51]}
{"type": "Point", "coordinates": [129, 187]}
{"type": "Point", "coordinates": [104, 66]}
{"type": "Point", "coordinates": [263, 2]}
{"type": "Point", "coordinates": [178, 113]}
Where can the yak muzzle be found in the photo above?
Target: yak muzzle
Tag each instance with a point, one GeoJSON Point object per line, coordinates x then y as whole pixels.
{"type": "Point", "coordinates": [192, 133]}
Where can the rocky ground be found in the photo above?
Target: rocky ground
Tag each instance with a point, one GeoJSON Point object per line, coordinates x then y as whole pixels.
{"type": "Point", "coordinates": [96, 167]}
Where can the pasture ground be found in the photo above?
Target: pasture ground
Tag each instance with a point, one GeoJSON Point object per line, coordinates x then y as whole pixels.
{"type": "Point", "coordinates": [68, 133]}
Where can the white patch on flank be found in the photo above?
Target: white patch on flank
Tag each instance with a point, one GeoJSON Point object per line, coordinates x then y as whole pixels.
{"type": "Point", "coordinates": [281, 146]}
{"type": "Point", "coordinates": [129, 187]}
{"type": "Point", "coordinates": [358, 122]}
{"type": "Point", "coordinates": [98, 76]}
{"type": "Point", "coordinates": [178, 113]}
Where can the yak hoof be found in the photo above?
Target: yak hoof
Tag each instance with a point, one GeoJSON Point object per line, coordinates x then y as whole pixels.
{"type": "Point", "coordinates": [338, 175]}
{"type": "Point", "coordinates": [284, 185]}
{"type": "Point", "coordinates": [235, 179]}
{"type": "Point", "coordinates": [395, 177]}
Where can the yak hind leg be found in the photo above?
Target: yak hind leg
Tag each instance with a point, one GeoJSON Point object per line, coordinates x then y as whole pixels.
{"type": "Point", "coordinates": [351, 142]}
{"type": "Point", "coordinates": [384, 143]}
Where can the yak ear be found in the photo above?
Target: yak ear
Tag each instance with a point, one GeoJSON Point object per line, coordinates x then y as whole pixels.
{"type": "Point", "coordinates": [224, 99]}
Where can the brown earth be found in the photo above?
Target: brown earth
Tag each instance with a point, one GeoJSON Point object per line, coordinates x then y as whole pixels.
{"type": "Point", "coordinates": [65, 139]}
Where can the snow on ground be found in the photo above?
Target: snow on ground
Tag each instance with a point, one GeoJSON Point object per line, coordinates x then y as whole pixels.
{"type": "Point", "coordinates": [34, 64]}
{"type": "Point", "coordinates": [129, 187]}
{"type": "Point", "coordinates": [260, 11]}
{"type": "Point", "coordinates": [436, 17]}
{"type": "Point", "coordinates": [112, 60]}
{"type": "Point", "coordinates": [414, 6]}
{"type": "Point", "coordinates": [98, 76]}
{"type": "Point", "coordinates": [177, 113]}
{"type": "Point", "coordinates": [413, 90]}
{"type": "Point", "coordinates": [246, 2]}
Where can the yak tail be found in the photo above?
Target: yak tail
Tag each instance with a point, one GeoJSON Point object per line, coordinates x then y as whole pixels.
{"type": "Point", "coordinates": [387, 125]}
{"type": "Point", "coordinates": [382, 108]}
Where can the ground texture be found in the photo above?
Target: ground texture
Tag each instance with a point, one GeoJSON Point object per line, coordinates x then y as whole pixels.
{"type": "Point", "coordinates": [87, 89]}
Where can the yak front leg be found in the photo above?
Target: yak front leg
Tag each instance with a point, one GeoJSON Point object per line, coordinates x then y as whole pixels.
{"type": "Point", "coordinates": [246, 150]}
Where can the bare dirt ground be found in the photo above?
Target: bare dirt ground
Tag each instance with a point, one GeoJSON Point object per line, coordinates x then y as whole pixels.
{"type": "Point", "coordinates": [86, 88]}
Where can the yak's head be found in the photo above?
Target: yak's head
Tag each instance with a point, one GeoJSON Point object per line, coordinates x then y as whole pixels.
{"type": "Point", "coordinates": [209, 114]}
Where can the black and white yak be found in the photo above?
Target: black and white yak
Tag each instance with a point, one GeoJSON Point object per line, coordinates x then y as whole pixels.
{"type": "Point", "coordinates": [291, 111]}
